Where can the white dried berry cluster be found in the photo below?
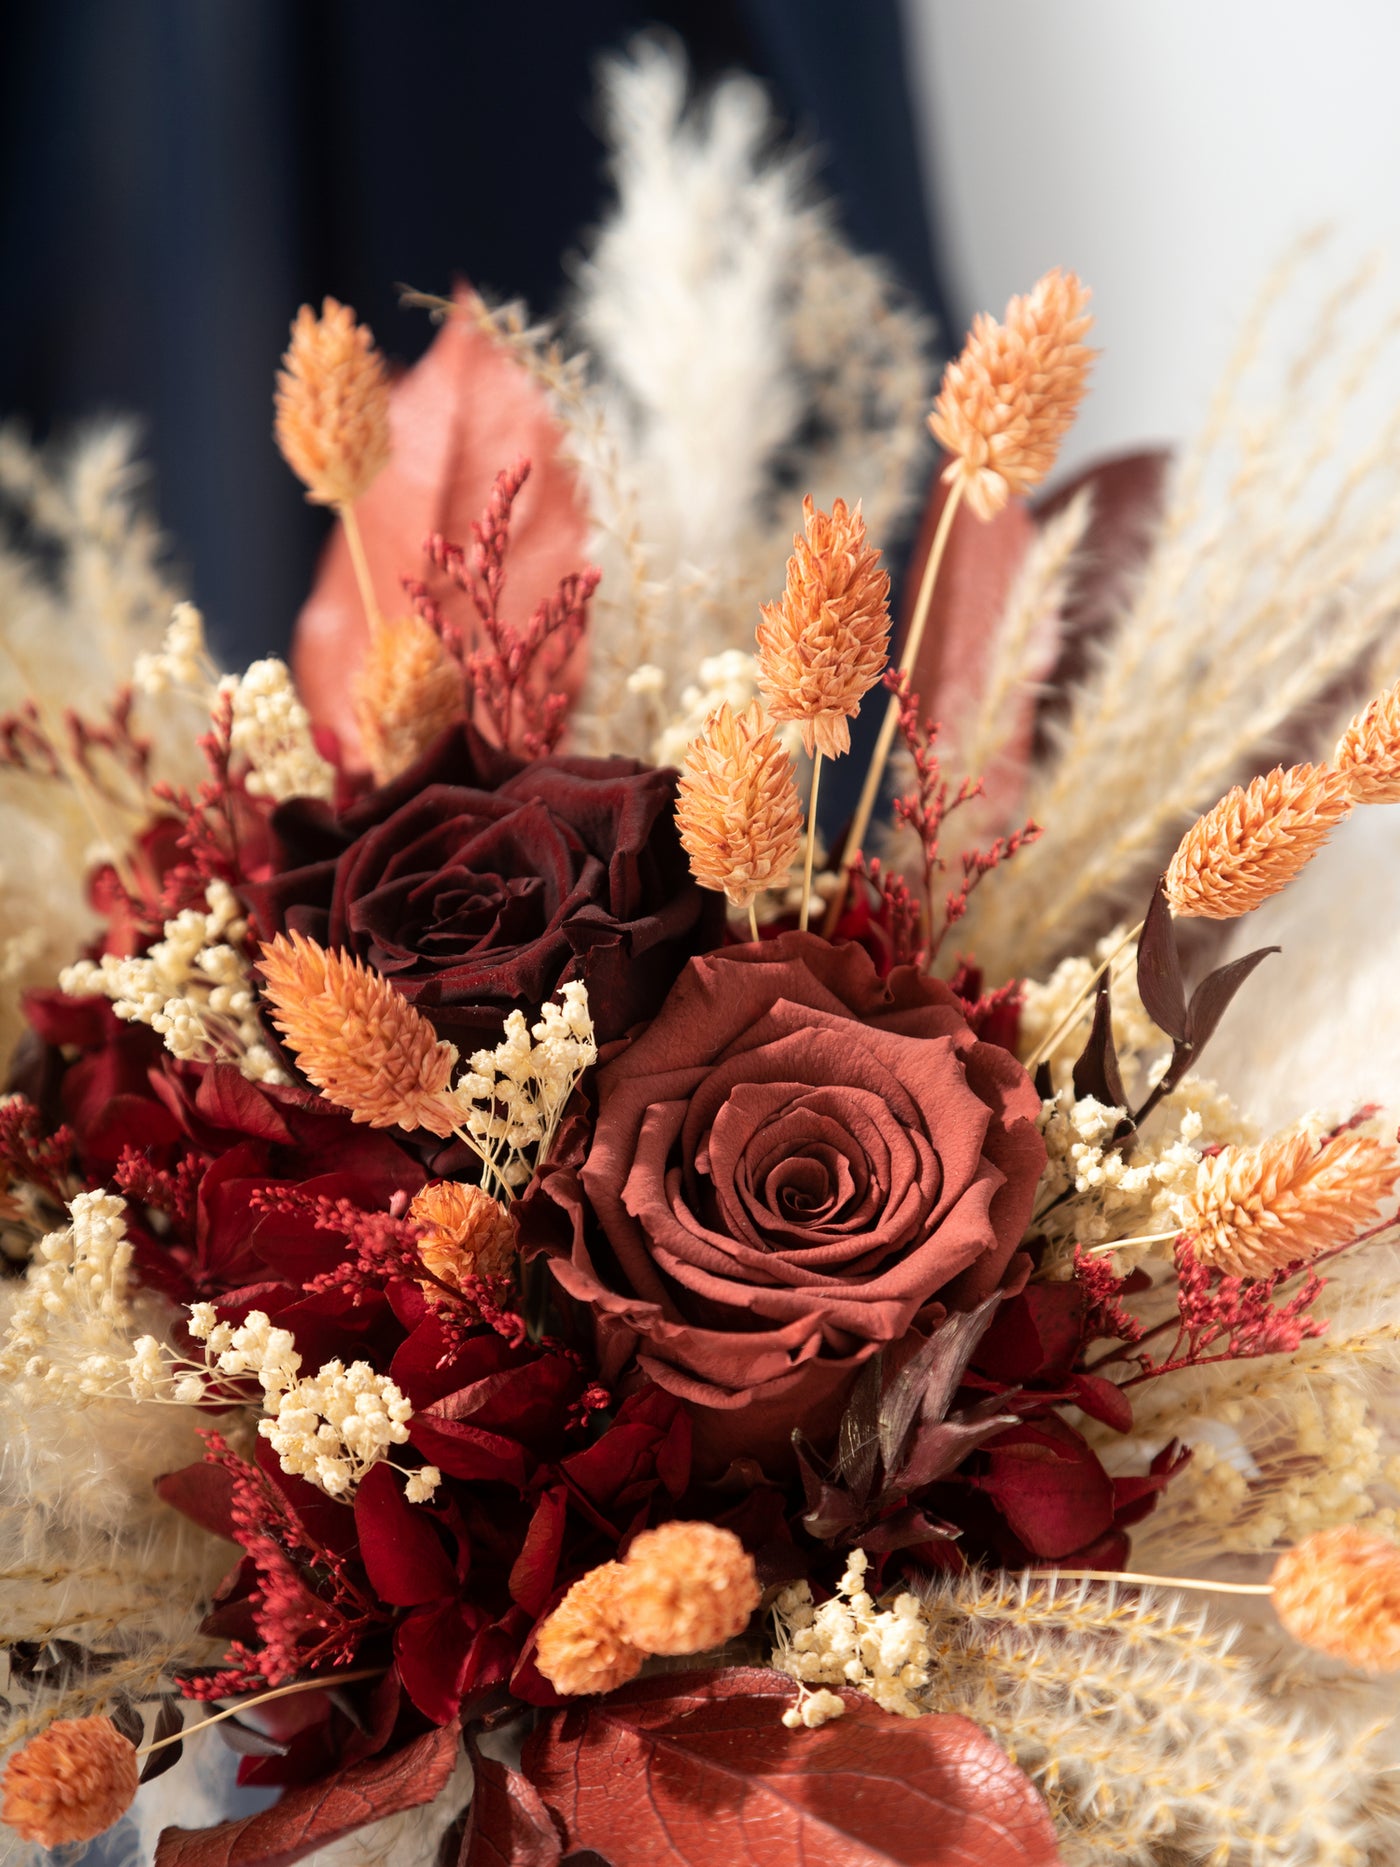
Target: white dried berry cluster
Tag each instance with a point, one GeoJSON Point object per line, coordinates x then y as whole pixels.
{"type": "Point", "coordinates": [513, 1096]}
{"type": "Point", "coordinates": [182, 660]}
{"type": "Point", "coordinates": [329, 1427]}
{"type": "Point", "coordinates": [67, 1327]}
{"type": "Point", "coordinates": [271, 729]}
{"type": "Point", "coordinates": [193, 987]}
{"type": "Point", "coordinates": [848, 1641]}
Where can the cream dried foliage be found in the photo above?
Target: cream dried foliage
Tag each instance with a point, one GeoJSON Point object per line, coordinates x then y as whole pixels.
{"type": "Point", "coordinates": [1283, 1445]}
{"type": "Point", "coordinates": [408, 690]}
{"type": "Point", "coordinates": [737, 807]}
{"type": "Point", "coordinates": [1256, 1209]}
{"type": "Point", "coordinates": [1368, 752]}
{"type": "Point", "coordinates": [1250, 845]}
{"type": "Point", "coordinates": [738, 345]}
{"type": "Point", "coordinates": [1008, 400]}
{"type": "Point", "coordinates": [332, 401]}
{"type": "Point", "coordinates": [825, 642]}
{"type": "Point", "coordinates": [1274, 574]}
{"type": "Point", "coordinates": [83, 595]}
{"type": "Point", "coordinates": [358, 1039]}
{"type": "Point", "coordinates": [1150, 1738]}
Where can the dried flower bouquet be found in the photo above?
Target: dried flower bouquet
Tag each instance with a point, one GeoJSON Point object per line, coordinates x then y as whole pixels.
{"type": "Point", "coordinates": [567, 1318]}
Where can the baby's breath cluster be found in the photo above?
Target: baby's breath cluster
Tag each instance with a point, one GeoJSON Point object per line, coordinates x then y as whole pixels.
{"type": "Point", "coordinates": [182, 662]}
{"type": "Point", "coordinates": [271, 729]}
{"type": "Point", "coordinates": [329, 1427]}
{"type": "Point", "coordinates": [512, 1097]}
{"type": "Point", "coordinates": [67, 1326]}
{"type": "Point", "coordinates": [848, 1641]}
{"type": "Point", "coordinates": [192, 986]}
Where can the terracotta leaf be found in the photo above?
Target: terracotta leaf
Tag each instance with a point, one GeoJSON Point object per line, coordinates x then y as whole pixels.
{"type": "Point", "coordinates": [466, 410]}
{"type": "Point", "coordinates": [307, 1818]}
{"type": "Point", "coordinates": [509, 1825]}
{"type": "Point", "coordinates": [698, 1770]}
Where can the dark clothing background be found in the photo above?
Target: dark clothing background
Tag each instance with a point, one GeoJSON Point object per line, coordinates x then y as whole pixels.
{"type": "Point", "coordinates": [179, 175]}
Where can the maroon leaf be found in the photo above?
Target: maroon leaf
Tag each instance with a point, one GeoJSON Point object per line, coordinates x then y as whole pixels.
{"type": "Point", "coordinates": [1212, 996]}
{"type": "Point", "coordinates": [1159, 981]}
{"type": "Point", "coordinates": [1096, 1072]}
{"type": "Point", "coordinates": [203, 1493]}
{"type": "Point", "coordinates": [689, 1769]}
{"type": "Point", "coordinates": [1104, 1401]}
{"type": "Point", "coordinates": [1048, 1484]}
{"type": "Point", "coordinates": [510, 1825]}
{"type": "Point", "coordinates": [305, 1819]}
{"type": "Point", "coordinates": [401, 1550]}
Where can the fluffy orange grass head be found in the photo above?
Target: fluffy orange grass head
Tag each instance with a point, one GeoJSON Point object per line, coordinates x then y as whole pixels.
{"type": "Point", "coordinates": [1339, 1593]}
{"type": "Point", "coordinates": [580, 1646]}
{"type": "Point", "coordinates": [737, 806]}
{"type": "Point", "coordinates": [409, 689]}
{"type": "Point", "coordinates": [468, 1233]}
{"type": "Point", "coordinates": [1368, 752]}
{"type": "Point", "coordinates": [825, 643]}
{"type": "Point", "coordinates": [357, 1039]}
{"type": "Point", "coordinates": [685, 1588]}
{"type": "Point", "coordinates": [70, 1783]}
{"type": "Point", "coordinates": [332, 405]}
{"type": "Point", "coordinates": [1256, 1209]}
{"type": "Point", "coordinates": [1254, 841]}
{"type": "Point", "coordinates": [1007, 401]}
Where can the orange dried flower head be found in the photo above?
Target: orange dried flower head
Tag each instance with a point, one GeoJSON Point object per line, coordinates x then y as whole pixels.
{"type": "Point", "coordinates": [70, 1783]}
{"type": "Point", "coordinates": [332, 405]}
{"type": "Point", "coordinates": [1254, 841]}
{"type": "Point", "coordinates": [1368, 752]}
{"type": "Point", "coordinates": [685, 1588]}
{"type": "Point", "coordinates": [825, 643]}
{"type": "Point", "coordinates": [1006, 402]}
{"type": "Point", "coordinates": [358, 1040]}
{"type": "Point", "coordinates": [1256, 1209]}
{"type": "Point", "coordinates": [1339, 1592]}
{"type": "Point", "coordinates": [737, 807]}
{"type": "Point", "coordinates": [408, 691]}
{"type": "Point", "coordinates": [470, 1234]}
{"type": "Point", "coordinates": [579, 1648]}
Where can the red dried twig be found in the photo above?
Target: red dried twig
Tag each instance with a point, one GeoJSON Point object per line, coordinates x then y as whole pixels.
{"type": "Point", "coordinates": [511, 671]}
{"type": "Point", "coordinates": [927, 808]}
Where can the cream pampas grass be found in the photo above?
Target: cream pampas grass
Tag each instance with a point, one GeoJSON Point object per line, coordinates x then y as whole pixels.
{"type": "Point", "coordinates": [1276, 570]}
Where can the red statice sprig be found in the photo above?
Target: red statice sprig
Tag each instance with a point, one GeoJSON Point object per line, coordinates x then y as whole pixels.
{"type": "Point", "coordinates": [1218, 1317]}
{"type": "Point", "coordinates": [511, 672]}
{"type": "Point", "coordinates": [31, 1156]}
{"type": "Point", "coordinates": [307, 1607]}
{"type": "Point", "coordinates": [926, 809]}
{"type": "Point", "coordinates": [898, 913]}
{"type": "Point", "coordinates": [172, 1191]}
{"type": "Point", "coordinates": [224, 825]}
{"type": "Point", "coordinates": [89, 750]}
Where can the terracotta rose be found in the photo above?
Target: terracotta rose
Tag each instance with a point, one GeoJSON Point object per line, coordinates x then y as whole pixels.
{"type": "Point", "coordinates": [795, 1163]}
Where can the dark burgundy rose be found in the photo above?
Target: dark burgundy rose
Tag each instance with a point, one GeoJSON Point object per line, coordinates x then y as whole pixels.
{"type": "Point", "coordinates": [479, 883]}
{"type": "Point", "coordinates": [796, 1163]}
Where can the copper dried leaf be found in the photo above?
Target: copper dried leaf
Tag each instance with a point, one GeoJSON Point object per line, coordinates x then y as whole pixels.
{"type": "Point", "coordinates": [1159, 982]}
{"type": "Point", "coordinates": [697, 1770]}
{"type": "Point", "coordinates": [305, 1819]}
{"type": "Point", "coordinates": [1211, 998]}
{"type": "Point", "coordinates": [1096, 1073]}
{"type": "Point", "coordinates": [509, 1825]}
{"type": "Point", "coordinates": [924, 1387]}
{"type": "Point", "coordinates": [468, 408]}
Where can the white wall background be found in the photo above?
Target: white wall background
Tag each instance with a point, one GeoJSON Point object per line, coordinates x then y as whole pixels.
{"type": "Point", "coordinates": [1169, 151]}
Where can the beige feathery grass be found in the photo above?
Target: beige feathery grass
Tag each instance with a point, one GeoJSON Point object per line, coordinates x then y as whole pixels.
{"type": "Point", "coordinates": [1274, 574]}
{"type": "Point", "coordinates": [357, 1039]}
{"type": "Point", "coordinates": [1339, 1592]}
{"type": "Point", "coordinates": [407, 691]}
{"type": "Point", "coordinates": [1252, 843]}
{"type": "Point", "coordinates": [332, 403]}
{"type": "Point", "coordinates": [1368, 752]}
{"type": "Point", "coordinates": [737, 807]}
{"type": "Point", "coordinates": [1151, 1739]}
{"type": "Point", "coordinates": [1008, 400]}
{"type": "Point", "coordinates": [825, 642]}
{"type": "Point", "coordinates": [1256, 1209]}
